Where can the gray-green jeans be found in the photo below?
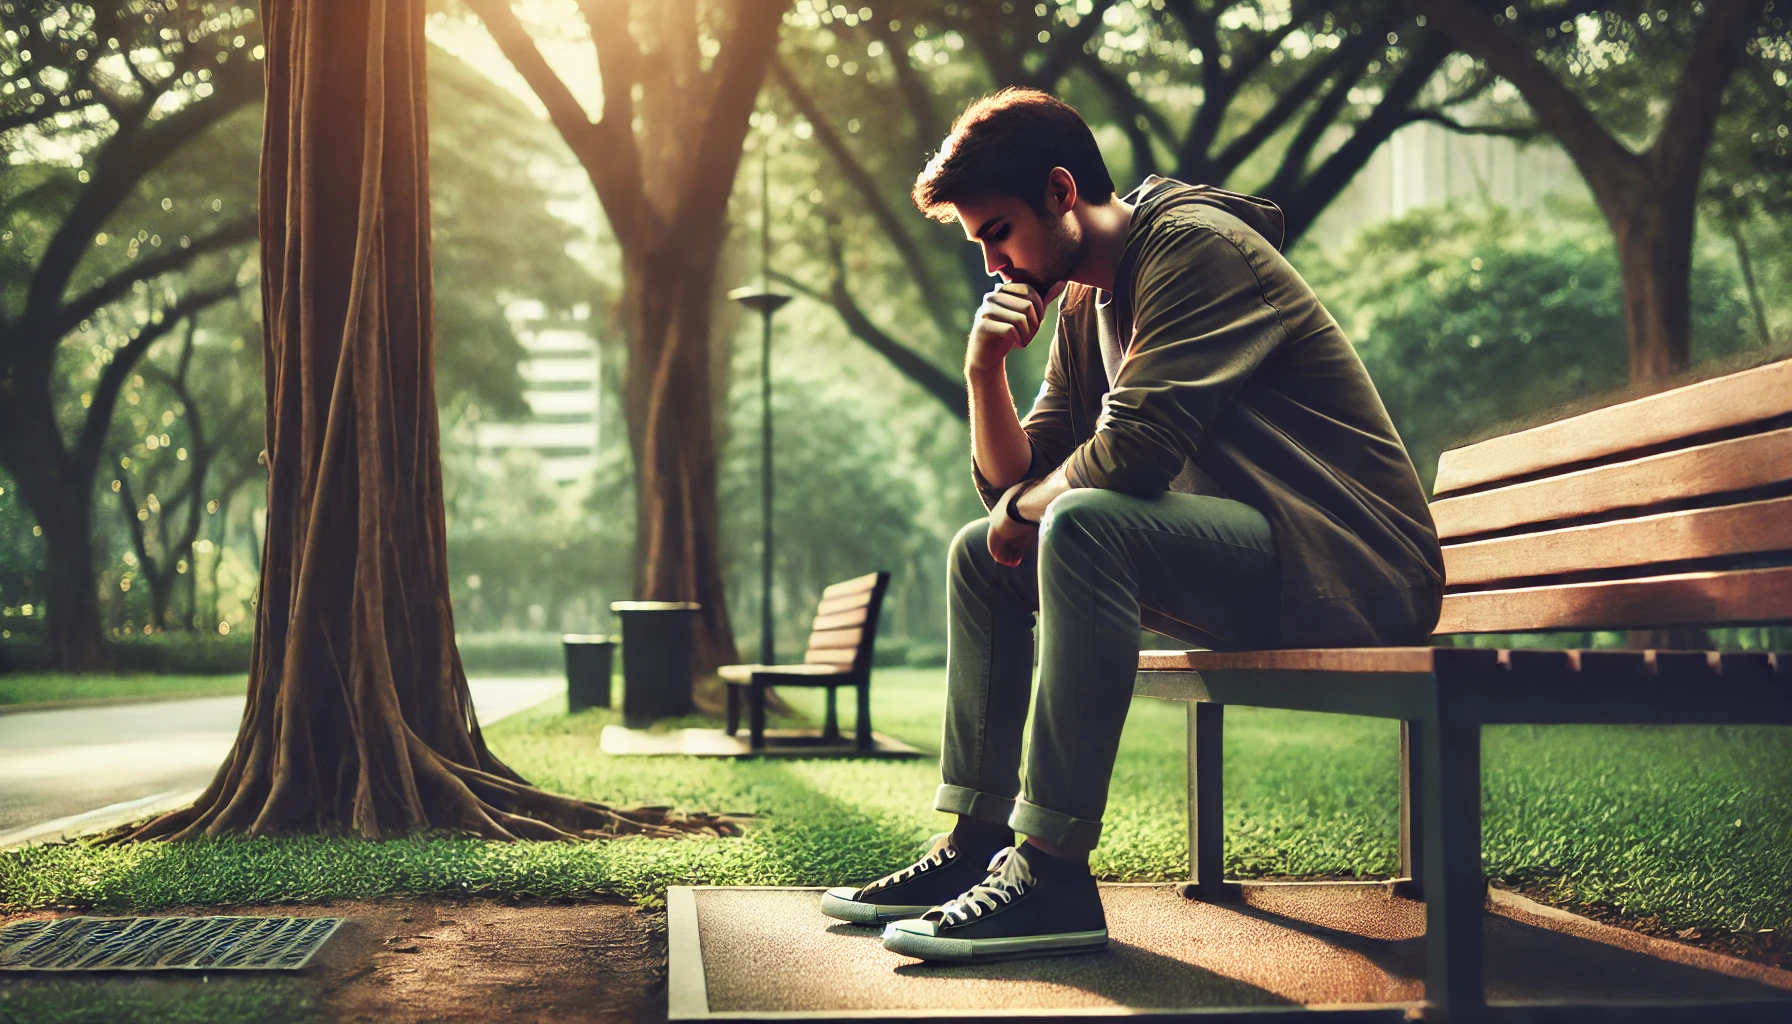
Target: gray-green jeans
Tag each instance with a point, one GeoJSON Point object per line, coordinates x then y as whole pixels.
{"type": "Point", "coordinates": [1202, 560]}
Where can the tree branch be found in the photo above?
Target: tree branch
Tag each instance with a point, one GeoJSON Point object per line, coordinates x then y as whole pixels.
{"type": "Point", "coordinates": [605, 149]}
{"type": "Point", "coordinates": [1290, 101]}
{"type": "Point", "coordinates": [1319, 188]}
{"type": "Point", "coordinates": [872, 197]}
{"type": "Point", "coordinates": [105, 394]}
{"type": "Point", "coordinates": [1067, 49]}
{"type": "Point", "coordinates": [519, 48]}
{"type": "Point", "coordinates": [120, 163]}
{"type": "Point", "coordinates": [739, 71]}
{"type": "Point", "coordinates": [1679, 149]}
{"type": "Point", "coordinates": [114, 288]}
{"type": "Point", "coordinates": [1608, 166]}
{"type": "Point", "coordinates": [1129, 109]}
{"type": "Point", "coordinates": [910, 363]}
{"type": "Point", "coordinates": [1322, 117]}
{"type": "Point", "coordinates": [127, 501]}
{"type": "Point", "coordinates": [1523, 132]}
{"type": "Point", "coordinates": [1246, 65]}
{"type": "Point", "coordinates": [915, 91]}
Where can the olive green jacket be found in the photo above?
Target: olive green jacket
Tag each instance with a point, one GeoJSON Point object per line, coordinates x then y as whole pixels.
{"type": "Point", "coordinates": [1235, 367]}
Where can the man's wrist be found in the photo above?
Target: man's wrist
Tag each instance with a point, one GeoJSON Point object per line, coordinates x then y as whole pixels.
{"type": "Point", "coordinates": [990, 372]}
{"type": "Point", "coordinates": [1013, 497]}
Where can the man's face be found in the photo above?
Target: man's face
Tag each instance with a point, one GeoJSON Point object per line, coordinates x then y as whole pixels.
{"type": "Point", "coordinates": [1019, 242]}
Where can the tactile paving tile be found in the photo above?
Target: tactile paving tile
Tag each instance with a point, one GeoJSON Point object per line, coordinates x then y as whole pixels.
{"type": "Point", "coordinates": [163, 943]}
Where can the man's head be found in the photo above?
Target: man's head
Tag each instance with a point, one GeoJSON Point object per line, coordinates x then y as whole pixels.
{"type": "Point", "coordinates": [1012, 171]}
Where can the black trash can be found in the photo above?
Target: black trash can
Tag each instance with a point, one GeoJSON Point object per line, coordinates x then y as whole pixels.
{"type": "Point", "coordinates": [656, 659]}
{"type": "Point", "coordinates": [590, 660]}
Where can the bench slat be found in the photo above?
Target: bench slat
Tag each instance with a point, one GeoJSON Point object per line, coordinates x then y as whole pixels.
{"type": "Point", "coordinates": [836, 656]}
{"type": "Point", "coordinates": [825, 639]}
{"type": "Point", "coordinates": [840, 620]}
{"type": "Point", "coordinates": [1733, 465]}
{"type": "Point", "coordinates": [743, 674]}
{"type": "Point", "coordinates": [1682, 599]}
{"type": "Point", "coordinates": [1344, 659]}
{"type": "Point", "coordinates": [843, 603]}
{"type": "Point", "coordinates": [1752, 527]}
{"type": "Point", "coordinates": [857, 585]}
{"type": "Point", "coordinates": [1717, 404]}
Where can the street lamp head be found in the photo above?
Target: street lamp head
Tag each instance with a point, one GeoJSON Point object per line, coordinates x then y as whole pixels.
{"type": "Point", "coordinates": [759, 299]}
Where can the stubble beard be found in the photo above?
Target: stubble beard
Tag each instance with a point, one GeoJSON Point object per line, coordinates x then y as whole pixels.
{"type": "Point", "coordinates": [1063, 251]}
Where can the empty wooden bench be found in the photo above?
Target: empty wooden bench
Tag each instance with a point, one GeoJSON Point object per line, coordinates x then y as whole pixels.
{"type": "Point", "coordinates": [1669, 511]}
{"type": "Point", "coordinates": [839, 654]}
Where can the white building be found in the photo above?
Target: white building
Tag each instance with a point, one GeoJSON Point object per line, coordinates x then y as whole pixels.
{"type": "Point", "coordinates": [1426, 164]}
{"type": "Point", "coordinates": [561, 378]}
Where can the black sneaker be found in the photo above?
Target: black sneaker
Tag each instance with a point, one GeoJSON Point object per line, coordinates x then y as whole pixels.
{"type": "Point", "coordinates": [1031, 904]}
{"type": "Point", "coordinates": [941, 873]}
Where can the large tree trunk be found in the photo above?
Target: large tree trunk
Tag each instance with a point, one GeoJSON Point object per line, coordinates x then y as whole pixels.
{"type": "Point", "coordinates": [75, 641]}
{"type": "Point", "coordinates": [359, 718]}
{"type": "Point", "coordinates": [669, 298]}
{"type": "Point", "coordinates": [31, 448]}
{"type": "Point", "coordinates": [1655, 262]}
{"type": "Point", "coordinates": [663, 172]}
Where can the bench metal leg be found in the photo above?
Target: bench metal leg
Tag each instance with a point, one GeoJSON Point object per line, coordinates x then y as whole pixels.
{"type": "Point", "coordinates": [1206, 805]}
{"type": "Point", "coordinates": [1455, 889]}
{"type": "Point", "coordinates": [1412, 812]}
{"type": "Point", "coordinates": [830, 726]}
{"type": "Point", "coordinates": [756, 716]}
{"type": "Point", "coordinates": [733, 709]}
{"type": "Point", "coordinates": [862, 725]}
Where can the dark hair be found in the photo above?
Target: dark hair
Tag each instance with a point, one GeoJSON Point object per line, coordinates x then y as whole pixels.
{"type": "Point", "coordinates": [1007, 145]}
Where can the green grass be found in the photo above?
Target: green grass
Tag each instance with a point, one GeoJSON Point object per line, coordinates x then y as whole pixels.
{"type": "Point", "coordinates": [228, 997]}
{"type": "Point", "coordinates": [26, 688]}
{"type": "Point", "coordinates": [1643, 819]}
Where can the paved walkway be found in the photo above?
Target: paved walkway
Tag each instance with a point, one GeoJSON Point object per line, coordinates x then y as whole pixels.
{"type": "Point", "coordinates": [75, 770]}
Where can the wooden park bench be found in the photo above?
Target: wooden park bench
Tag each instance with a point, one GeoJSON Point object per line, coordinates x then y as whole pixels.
{"type": "Point", "coordinates": [1673, 510]}
{"type": "Point", "coordinates": [839, 654]}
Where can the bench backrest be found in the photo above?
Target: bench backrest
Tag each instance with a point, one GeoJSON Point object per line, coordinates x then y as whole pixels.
{"type": "Point", "coordinates": [845, 626]}
{"type": "Point", "coordinates": [1670, 510]}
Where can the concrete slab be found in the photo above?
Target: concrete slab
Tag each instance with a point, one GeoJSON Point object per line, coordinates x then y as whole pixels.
{"type": "Point", "coordinates": [747, 953]}
{"type": "Point", "coordinates": [717, 743]}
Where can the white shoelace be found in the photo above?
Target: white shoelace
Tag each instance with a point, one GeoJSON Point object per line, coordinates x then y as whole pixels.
{"type": "Point", "coordinates": [1009, 877]}
{"type": "Point", "coordinates": [939, 851]}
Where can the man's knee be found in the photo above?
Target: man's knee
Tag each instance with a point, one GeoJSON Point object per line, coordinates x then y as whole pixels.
{"type": "Point", "coordinates": [970, 549]}
{"type": "Point", "coordinates": [1077, 520]}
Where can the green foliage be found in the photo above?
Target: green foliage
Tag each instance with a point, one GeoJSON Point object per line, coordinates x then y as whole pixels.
{"type": "Point", "coordinates": [494, 236]}
{"type": "Point", "coordinates": [1470, 318]}
{"type": "Point", "coordinates": [843, 504]}
{"type": "Point", "coordinates": [265, 998]}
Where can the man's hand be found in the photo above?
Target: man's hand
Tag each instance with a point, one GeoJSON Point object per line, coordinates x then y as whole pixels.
{"type": "Point", "coordinates": [1008, 318]}
{"type": "Point", "coordinates": [1010, 542]}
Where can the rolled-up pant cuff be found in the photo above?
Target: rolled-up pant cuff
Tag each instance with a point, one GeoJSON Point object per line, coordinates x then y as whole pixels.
{"type": "Point", "coordinates": [1037, 822]}
{"type": "Point", "coordinates": [973, 804]}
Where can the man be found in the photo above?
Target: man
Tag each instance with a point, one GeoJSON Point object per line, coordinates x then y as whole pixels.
{"type": "Point", "coordinates": [1206, 454]}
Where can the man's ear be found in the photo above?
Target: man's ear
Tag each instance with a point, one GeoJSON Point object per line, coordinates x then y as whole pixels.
{"type": "Point", "coordinates": [1060, 190]}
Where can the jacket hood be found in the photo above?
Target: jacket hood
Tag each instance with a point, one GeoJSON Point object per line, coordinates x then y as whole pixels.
{"type": "Point", "coordinates": [1164, 194]}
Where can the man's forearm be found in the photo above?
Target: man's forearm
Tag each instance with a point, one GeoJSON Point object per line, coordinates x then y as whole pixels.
{"type": "Point", "coordinates": [1033, 501]}
{"type": "Point", "coordinates": [998, 444]}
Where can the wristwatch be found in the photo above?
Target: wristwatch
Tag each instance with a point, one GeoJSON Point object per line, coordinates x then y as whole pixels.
{"type": "Point", "coordinates": [1014, 508]}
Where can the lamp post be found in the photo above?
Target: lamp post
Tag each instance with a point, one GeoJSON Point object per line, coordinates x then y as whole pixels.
{"type": "Point", "coordinates": [767, 303]}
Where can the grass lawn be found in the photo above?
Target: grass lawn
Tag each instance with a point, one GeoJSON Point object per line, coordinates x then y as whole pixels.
{"type": "Point", "coordinates": [1692, 825]}
{"type": "Point", "coordinates": [26, 688]}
